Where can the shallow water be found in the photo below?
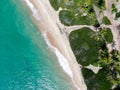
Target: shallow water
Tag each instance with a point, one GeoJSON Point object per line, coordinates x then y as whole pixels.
{"type": "Point", "coordinates": [26, 62]}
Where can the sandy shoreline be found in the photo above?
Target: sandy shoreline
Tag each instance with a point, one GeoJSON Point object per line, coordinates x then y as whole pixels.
{"type": "Point", "coordinates": [48, 22]}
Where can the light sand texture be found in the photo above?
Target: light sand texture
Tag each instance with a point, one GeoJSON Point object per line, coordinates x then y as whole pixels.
{"type": "Point", "coordinates": [49, 22]}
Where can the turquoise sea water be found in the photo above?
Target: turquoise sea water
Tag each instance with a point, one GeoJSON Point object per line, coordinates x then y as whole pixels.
{"type": "Point", "coordinates": [26, 63]}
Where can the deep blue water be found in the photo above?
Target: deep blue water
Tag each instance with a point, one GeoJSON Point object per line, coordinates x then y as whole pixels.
{"type": "Point", "coordinates": [26, 63]}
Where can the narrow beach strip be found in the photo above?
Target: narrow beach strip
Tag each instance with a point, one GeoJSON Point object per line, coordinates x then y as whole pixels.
{"type": "Point", "coordinates": [56, 40]}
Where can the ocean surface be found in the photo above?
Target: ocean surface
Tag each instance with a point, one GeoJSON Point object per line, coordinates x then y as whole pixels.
{"type": "Point", "coordinates": [26, 62]}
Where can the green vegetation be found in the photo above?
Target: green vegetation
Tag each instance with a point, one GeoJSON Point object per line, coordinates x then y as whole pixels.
{"type": "Point", "coordinates": [117, 15]}
{"type": "Point", "coordinates": [86, 43]}
{"type": "Point", "coordinates": [100, 4]}
{"type": "Point", "coordinates": [78, 11]}
{"type": "Point", "coordinates": [84, 47]}
{"type": "Point", "coordinates": [110, 61]}
{"type": "Point", "coordinates": [106, 21]}
{"type": "Point", "coordinates": [109, 35]}
{"type": "Point", "coordinates": [56, 4]}
{"type": "Point", "coordinates": [75, 4]}
{"type": "Point", "coordinates": [67, 17]}
{"type": "Point", "coordinates": [96, 81]}
{"type": "Point", "coordinates": [104, 35]}
{"type": "Point", "coordinates": [114, 9]}
{"type": "Point", "coordinates": [88, 46]}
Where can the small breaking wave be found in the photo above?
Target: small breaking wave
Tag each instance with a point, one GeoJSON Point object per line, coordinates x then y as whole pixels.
{"type": "Point", "coordinates": [62, 60]}
{"type": "Point", "coordinates": [34, 10]}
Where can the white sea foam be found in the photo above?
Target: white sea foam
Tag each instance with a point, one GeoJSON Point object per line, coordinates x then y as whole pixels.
{"type": "Point", "coordinates": [34, 10]}
{"type": "Point", "coordinates": [62, 60]}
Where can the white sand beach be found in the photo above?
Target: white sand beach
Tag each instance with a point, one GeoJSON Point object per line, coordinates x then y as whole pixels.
{"type": "Point", "coordinates": [48, 21]}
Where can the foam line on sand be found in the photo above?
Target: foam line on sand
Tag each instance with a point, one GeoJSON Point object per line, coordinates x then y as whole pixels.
{"type": "Point", "coordinates": [62, 60]}
{"type": "Point", "coordinates": [33, 9]}
{"type": "Point", "coordinates": [58, 41]}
